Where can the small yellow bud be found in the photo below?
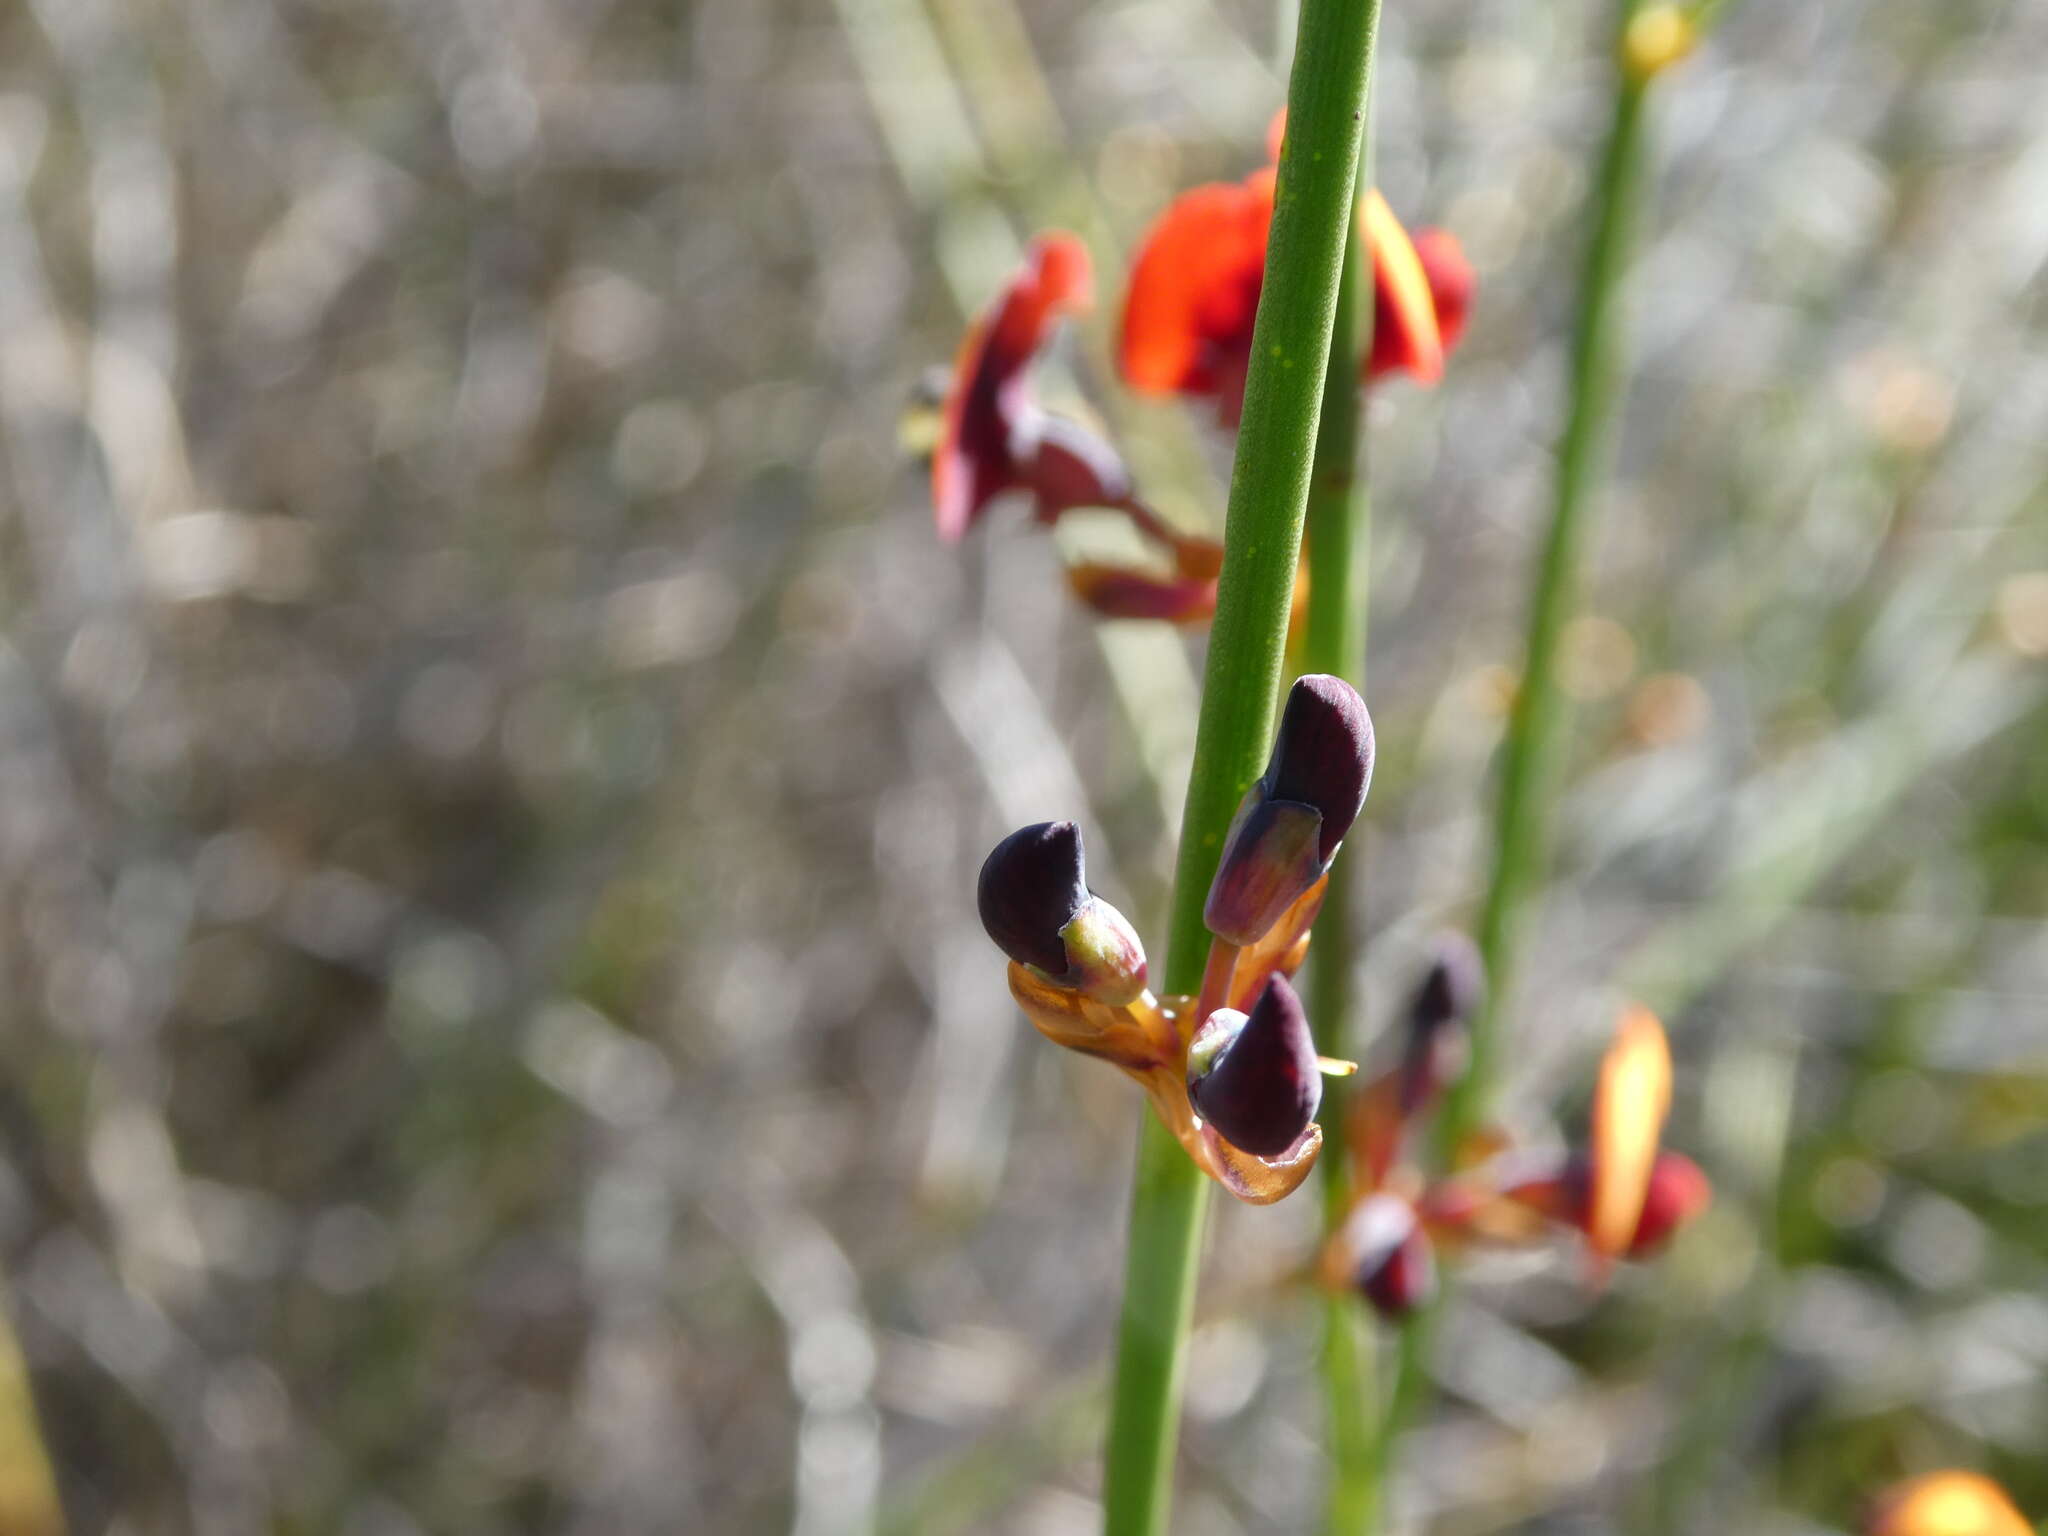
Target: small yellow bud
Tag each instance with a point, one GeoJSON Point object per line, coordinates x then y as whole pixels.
{"type": "Point", "coordinates": [1656, 37]}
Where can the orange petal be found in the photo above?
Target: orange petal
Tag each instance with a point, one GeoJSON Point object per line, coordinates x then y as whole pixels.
{"type": "Point", "coordinates": [1405, 335]}
{"type": "Point", "coordinates": [1194, 289]}
{"type": "Point", "coordinates": [1629, 1106]}
{"type": "Point", "coordinates": [1276, 134]}
{"type": "Point", "coordinates": [1948, 1504]}
{"type": "Point", "coordinates": [972, 463]}
{"type": "Point", "coordinates": [1121, 592]}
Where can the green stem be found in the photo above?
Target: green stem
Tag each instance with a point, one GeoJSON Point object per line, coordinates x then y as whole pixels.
{"type": "Point", "coordinates": [1339, 530]}
{"type": "Point", "coordinates": [1262, 538]}
{"type": "Point", "coordinates": [1532, 754]}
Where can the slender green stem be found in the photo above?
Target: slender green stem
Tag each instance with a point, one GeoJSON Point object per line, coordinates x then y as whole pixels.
{"type": "Point", "coordinates": [1262, 539]}
{"type": "Point", "coordinates": [1531, 756]}
{"type": "Point", "coordinates": [1338, 531]}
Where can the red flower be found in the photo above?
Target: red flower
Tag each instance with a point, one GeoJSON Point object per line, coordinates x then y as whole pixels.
{"type": "Point", "coordinates": [996, 437]}
{"type": "Point", "coordinates": [1194, 291]}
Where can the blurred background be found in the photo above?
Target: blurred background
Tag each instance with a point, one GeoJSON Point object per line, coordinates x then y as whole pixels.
{"type": "Point", "coordinates": [493, 761]}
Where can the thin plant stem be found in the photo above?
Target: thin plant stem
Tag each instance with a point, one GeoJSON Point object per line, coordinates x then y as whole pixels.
{"type": "Point", "coordinates": [1338, 532]}
{"type": "Point", "coordinates": [1262, 539]}
{"type": "Point", "coordinates": [1531, 757]}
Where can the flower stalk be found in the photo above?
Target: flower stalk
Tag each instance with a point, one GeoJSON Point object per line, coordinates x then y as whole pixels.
{"type": "Point", "coordinates": [1339, 532]}
{"type": "Point", "coordinates": [1531, 758]}
{"type": "Point", "coordinates": [1268, 495]}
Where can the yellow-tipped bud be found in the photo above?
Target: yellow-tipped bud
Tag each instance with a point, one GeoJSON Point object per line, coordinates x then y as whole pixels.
{"type": "Point", "coordinates": [1656, 38]}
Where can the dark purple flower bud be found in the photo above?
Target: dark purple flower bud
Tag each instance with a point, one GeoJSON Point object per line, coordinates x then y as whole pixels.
{"type": "Point", "coordinates": [1031, 887]}
{"type": "Point", "coordinates": [1291, 820]}
{"type": "Point", "coordinates": [1255, 1077]}
{"type": "Point", "coordinates": [1451, 993]}
{"type": "Point", "coordinates": [1035, 903]}
{"type": "Point", "coordinates": [1393, 1262]}
{"type": "Point", "coordinates": [1455, 987]}
{"type": "Point", "coordinates": [1323, 754]}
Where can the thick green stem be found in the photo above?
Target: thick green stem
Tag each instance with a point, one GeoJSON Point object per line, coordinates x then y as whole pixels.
{"type": "Point", "coordinates": [1338, 531]}
{"type": "Point", "coordinates": [1262, 538]}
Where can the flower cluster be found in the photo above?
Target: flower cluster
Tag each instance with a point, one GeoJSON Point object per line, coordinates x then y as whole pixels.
{"type": "Point", "coordinates": [1187, 321]}
{"type": "Point", "coordinates": [1620, 1194]}
{"type": "Point", "coordinates": [1186, 329]}
{"type": "Point", "coordinates": [1233, 1072]}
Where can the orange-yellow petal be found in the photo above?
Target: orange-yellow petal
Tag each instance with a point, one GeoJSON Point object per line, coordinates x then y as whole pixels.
{"type": "Point", "coordinates": [1405, 336]}
{"type": "Point", "coordinates": [1951, 1503]}
{"type": "Point", "coordinates": [1629, 1106]}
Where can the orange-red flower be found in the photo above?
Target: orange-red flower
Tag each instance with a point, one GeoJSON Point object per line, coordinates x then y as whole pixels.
{"type": "Point", "coordinates": [1623, 1194]}
{"type": "Point", "coordinates": [1194, 291]}
{"type": "Point", "coordinates": [995, 436]}
{"type": "Point", "coordinates": [1949, 1503]}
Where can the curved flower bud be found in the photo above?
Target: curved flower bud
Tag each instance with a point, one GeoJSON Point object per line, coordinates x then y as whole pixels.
{"type": "Point", "coordinates": [1950, 1503]}
{"type": "Point", "coordinates": [1387, 1255]}
{"type": "Point", "coordinates": [1657, 37]}
{"type": "Point", "coordinates": [1036, 905]}
{"type": "Point", "coordinates": [1254, 1077]}
{"type": "Point", "coordinates": [1292, 819]}
{"type": "Point", "coordinates": [1452, 991]}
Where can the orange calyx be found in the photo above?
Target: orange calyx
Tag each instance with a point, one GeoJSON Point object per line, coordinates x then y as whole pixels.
{"type": "Point", "coordinates": [1629, 1106]}
{"type": "Point", "coordinates": [1406, 336]}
